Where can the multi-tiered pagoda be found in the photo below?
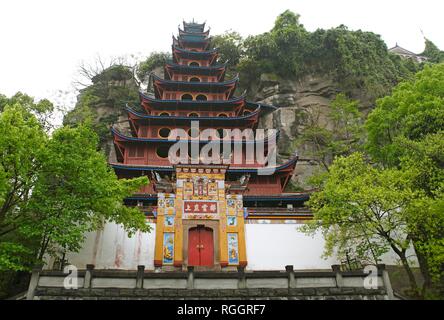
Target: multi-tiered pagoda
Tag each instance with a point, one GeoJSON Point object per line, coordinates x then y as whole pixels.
{"type": "Point", "coordinates": [200, 210]}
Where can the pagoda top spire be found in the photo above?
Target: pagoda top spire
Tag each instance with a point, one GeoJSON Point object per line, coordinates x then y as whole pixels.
{"type": "Point", "coordinates": [193, 27]}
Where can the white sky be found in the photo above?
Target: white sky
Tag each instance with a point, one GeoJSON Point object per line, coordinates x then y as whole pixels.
{"type": "Point", "coordinates": [43, 42]}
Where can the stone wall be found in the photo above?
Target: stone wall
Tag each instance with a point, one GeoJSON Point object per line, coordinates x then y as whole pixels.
{"type": "Point", "coordinates": [140, 284]}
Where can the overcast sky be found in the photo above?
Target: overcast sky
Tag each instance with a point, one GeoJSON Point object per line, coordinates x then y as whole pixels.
{"type": "Point", "coordinates": [43, 42]}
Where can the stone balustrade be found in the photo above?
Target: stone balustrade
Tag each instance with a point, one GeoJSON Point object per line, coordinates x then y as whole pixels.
{"type": "Point", "coordinates": [142, 284]}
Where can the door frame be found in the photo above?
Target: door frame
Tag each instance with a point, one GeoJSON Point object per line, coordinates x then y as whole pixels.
{"type": "Point", "coordinates": [212, 224]}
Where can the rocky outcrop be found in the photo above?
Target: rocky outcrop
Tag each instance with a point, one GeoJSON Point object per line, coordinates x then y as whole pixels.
{"type": "Point", "coordinates": [298, 101]}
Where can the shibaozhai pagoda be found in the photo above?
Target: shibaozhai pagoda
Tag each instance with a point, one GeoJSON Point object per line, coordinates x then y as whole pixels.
{"type": "Point", "coordinates": [220, 215]}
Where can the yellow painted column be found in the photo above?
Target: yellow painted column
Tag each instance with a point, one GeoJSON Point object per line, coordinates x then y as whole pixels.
{"type": "Point", "coordinates": [158, 249]}
{"type": "Point", "coordinates": [241, 239]}
{"type": "Point", "coordinates": [178, 235]}
{"type": "Point", "coordinates": [223, 244]}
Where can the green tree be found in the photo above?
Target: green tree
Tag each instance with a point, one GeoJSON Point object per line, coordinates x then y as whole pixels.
{"type": "Point", "coordinates": [405, 133]}
{"type": "Point", "coordinates": [423, 160]}
{"type": "Point", "coordinates": [413, 110]}
{"type": "Point", "coordinates": [76, 191]}
{"type": "Point", "coordinates": [154, 60]}
{"type": "Point", "coordinates": [354, 59]}
{"type": "Point", "coordinates": [362, 209]}
{"type": "Point", "coordinates": [432, 52]}
{"type": "Point", "coordinates": [341, 135]}
{"type": "Point", "coordinates": [42, 109]}
{"type": "Point", "coordinates": [229, 46]}
{"type": "Point", "coordinates": [54, 189]}
{"type": "Point", "coordinates": [22, 140]}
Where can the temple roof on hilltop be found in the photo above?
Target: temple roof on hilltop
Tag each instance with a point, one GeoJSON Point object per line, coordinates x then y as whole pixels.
{"type": "Point", "coordinates": [214, 87]}
{"type": "Point", "coordinates": [287, 166]}
{"type": "Point", "coordinates": [401, 50]}
{"type": "Point", "coordinates": [231, 121]}
{"type": "Point", "coordinates": [406, 53]}
{"type": "Point", "coordinates": [216, 69]}
{"type": "Point", "coordinates": [120, 137]}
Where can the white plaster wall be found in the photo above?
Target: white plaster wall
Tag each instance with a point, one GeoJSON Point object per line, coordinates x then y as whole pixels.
{"type": "Point", "coordinates": [273, 246]}
{"type": "Point", "coordinates": [111, 248]}
{"type": "Point", "coordinates": [269, 247]}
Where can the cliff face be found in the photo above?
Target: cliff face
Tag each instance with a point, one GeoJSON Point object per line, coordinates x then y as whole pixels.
{"type": "Point", "coordinates": [298, 102]}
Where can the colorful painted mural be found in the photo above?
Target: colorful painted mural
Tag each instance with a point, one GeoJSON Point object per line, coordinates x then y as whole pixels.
{"type": "Point", "coordinates": [168, 247]}
{"type": "Point", "coordinates": [169, 221]}
{"type": "Point", "coordinates": [233, 248]}
{"type": "Point", "coordinates": [231, 221]}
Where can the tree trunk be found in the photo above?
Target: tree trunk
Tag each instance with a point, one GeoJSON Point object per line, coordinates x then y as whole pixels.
{"type": "Point", "coordinates": [424, 267]}
{"type": "Point", "coordinates": [405, 264]}
{"type": "Point", "coordinates": [409, 271]}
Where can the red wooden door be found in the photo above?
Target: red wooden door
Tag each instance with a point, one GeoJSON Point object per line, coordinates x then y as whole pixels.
{"type": "Point", "coordinates": [200, 247]}
{"type": "Point", "coordinates": [193, 247]}
{"type": "Point", "coordinates": [206, 247]}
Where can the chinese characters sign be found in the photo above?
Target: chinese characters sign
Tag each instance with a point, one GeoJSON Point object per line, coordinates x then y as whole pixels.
{"type": "Point", "coordinates": [200, 209]}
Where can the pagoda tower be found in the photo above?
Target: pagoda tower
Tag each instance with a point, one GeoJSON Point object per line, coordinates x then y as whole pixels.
{"type": "Point", "coordinates": [199, 208]}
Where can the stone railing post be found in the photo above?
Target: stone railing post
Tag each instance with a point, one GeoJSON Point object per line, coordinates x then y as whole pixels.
{"type": "Point", "coordinates": [386, 281]}
{"type": "Point", "coordinates": [339, 280]}
{"type": "Point", "coordinates": [139, 276]}
{"type": "Point", "coordinates": [88, 276]}
{"type": "Point", "coordinates": [33, 283]}
{"type": "Point", "coordinates": [291, 278]}
{"type": "Point", "coordinates": [242, 279]}
{"type": "Point", "coordinates": [190, 279]}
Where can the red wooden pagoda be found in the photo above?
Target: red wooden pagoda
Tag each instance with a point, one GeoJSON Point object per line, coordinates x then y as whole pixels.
{"type": "Point", "coordinates": [194, 88]}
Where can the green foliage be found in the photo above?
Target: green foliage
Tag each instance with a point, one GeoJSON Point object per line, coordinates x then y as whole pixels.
{"type": "Point", "coordinates": [355, 59]}
{"type": "Point", "coordinates": [423, 160]}
{"type": "Point", "coordinates": [413, 110]}
{"type": "Point", "coordinates": [432, 52]}
{"type": "Point", "coordinates": [361, 211]}
{"type": "Point", "coordinates": [406, 137]}
{"type": "Point", "coordinates": [155, 60]}
{"type": "Point", "coordinates": [340, 136]}
{"type": "Point", "coordinates": [14, 256]}
{"type": "Point", "coordinates": [76, 191]}
{"type": "Point", "coordinates": [54, 189]}
{"type": "Point", "coordinates": [230, 49]}
{"type": "Point", "coordinates": [41, 109]}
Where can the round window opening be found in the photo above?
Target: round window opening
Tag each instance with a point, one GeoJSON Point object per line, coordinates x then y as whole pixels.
{"type": "Point", "coordinates": [187, 97]}
{"type": "Point", "coordinates": [194, 79]}
{"type": "Point", "coordinates": [201, 97]}
{"type": "Point", "coordinates": [193, 115]}
{"type": "Point", "coordinates": [162, 152]}
{"type": "Point", "coordinates": [194, 64]}
{"type": "Point", "coordinates": [164, 132]}
{"type": "Point", "coordinates": [193, 133]}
